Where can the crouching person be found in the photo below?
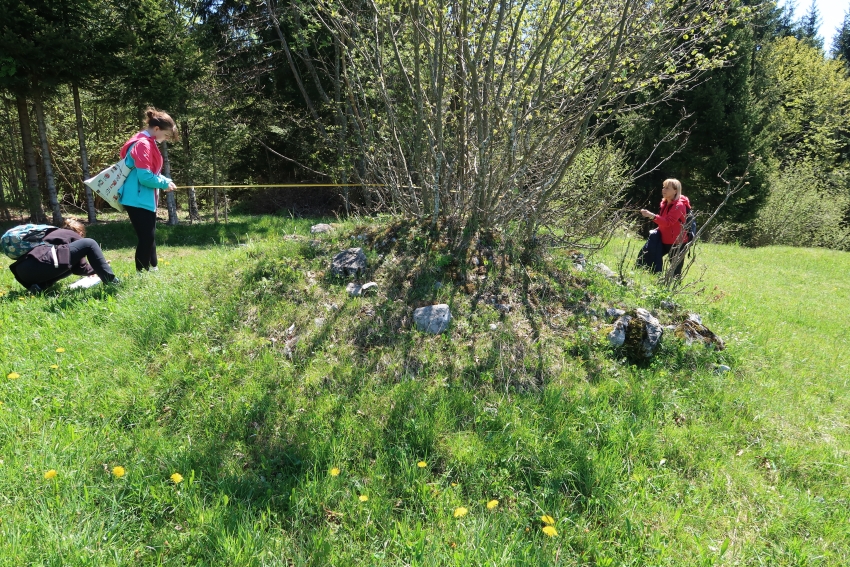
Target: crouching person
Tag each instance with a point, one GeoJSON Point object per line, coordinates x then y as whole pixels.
{"type": "Point", "coordinates": [671, 233]}
{"type": "Point", "coordinates": [62, 252]}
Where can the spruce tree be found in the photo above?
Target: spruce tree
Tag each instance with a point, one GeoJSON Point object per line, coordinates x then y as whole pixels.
{"type": "Point", "coordinates": [841, 41]}
{"type": "Point", "coordinates": [809, 25]}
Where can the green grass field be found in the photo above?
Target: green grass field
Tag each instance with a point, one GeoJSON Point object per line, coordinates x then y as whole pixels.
{"type": "Point", "coordinates": [310, 428]}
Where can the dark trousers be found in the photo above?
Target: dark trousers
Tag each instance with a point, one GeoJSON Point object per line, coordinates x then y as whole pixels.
{"type": "Point", "coordinates": [652, 254]}
{"type": "Point", "coordinates": [144, 223]}
{"type": "Point", "coordinates": [31, 272]}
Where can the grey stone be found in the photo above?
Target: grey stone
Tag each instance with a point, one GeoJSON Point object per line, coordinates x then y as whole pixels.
{"type": "Point", "coordinates": [355, 290]}
{"type": "Point", "coordinates": [695, 318]}
{"type": "Point", "coordinates": [606, 271]}
{"type": "Point", "coordinates": [503, 308]}
{"type": "Point", "coordinates": [494, 326]}
{"type": "Point", "coordinates": [722, 369]}
{"type": "Point", "coordinates": [618, 335]}
{"type": "Point", "coordinates": [579, 260]}
{"type": "Point", "coordinates": [652, 331]}
{"type": "Point", "coordinates": [319, 321]}
{"type": "Point", "coordinates": [612, 312]}
{"type": "Point", "coordinates": [320, 228]}
{"type": "Point", "coordinates": [349, 262]}
{"type": "Point", "coordinates": [432, 319]}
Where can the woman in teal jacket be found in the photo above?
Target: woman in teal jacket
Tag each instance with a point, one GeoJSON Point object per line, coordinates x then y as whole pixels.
{"type": "Point", "coordinates": [140, 193]}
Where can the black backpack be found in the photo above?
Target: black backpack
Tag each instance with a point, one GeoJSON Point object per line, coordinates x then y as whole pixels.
{"type": "Point", "coordinates": [691, 225]}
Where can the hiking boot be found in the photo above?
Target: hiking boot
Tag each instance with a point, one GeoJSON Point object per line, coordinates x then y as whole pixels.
{"type": "Point", "coordinates": [34, 289]}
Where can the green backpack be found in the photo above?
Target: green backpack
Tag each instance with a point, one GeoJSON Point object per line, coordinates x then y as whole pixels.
{"type": "Point", "coordinates": [20, 239]}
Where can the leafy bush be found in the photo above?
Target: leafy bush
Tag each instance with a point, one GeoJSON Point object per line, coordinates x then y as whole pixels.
{"type": "Point", "coordinates": [806, 207]}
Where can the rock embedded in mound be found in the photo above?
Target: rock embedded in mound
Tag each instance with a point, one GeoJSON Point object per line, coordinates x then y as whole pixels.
{"type": "Point", "coordinates": [607, 272]}
{"type": "Point", "coordinates": [349, 262]}
{"type": "Point", "coordinates": [356, 290]}
{"type": "Point", "coordinates": [638, 332]}
{"type": "Point", "coordinates": [692, 330]}
{"type": "Point", "coordinates": [613, 312]}
{"type": "Point", "coordinates": [618, 335]}
{"type": "Point", "coordinates": [432, 319]}
{"type": "Point", "coordinates": [320, 228]}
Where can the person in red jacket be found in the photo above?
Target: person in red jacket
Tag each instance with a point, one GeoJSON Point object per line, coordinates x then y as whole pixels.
{"type": "Point", "coordinates": [140, 193]}
{"type": "Point", "coordinates": [64, 252]}
{"type": "Point", "coordinates": [671, 220]}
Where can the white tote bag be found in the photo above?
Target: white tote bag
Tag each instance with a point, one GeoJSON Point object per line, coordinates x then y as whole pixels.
{"type": "Point", "coordinates": [108, 182]}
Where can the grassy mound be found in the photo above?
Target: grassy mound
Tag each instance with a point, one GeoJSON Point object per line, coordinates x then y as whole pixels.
{"type": "Point", "coordinates": [312, 428]}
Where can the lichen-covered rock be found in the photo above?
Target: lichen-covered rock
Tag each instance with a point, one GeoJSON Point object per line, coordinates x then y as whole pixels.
{"type": "Point", "coordinates": [433, 319]}
{"type": "Point", "coordinates": [643, 334]}
{"type": "Point", "coordinates": [692, 331]}
{"type": "Point", "coordinates": [349, 262]}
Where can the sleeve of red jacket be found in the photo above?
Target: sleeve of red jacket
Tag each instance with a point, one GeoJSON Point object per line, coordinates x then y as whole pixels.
{"type": "Point", "coordinates": [674, 219]}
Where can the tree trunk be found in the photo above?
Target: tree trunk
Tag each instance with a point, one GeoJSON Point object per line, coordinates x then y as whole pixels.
{"type": "Point", "coordinates": [3, 208]}
{"type": "Point", "coordinates": [215, 182]}
{"type": "Point", "coordinates": [45, 157]}
{"type": "Point", "coordinates": [36, 211]}
{"type": "Point", "coordinates": [15, 165]}
{"type": "Point", "coordinates": [170, 198]}
{"type": "Point", "coordinates": [193, 201]}
{"type": "Point", "coordinates": [84, 158]}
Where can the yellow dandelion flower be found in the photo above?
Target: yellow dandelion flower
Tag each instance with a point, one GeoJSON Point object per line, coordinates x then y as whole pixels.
{"type": "Point", "coordinates": [421, 464]}
{"type": "Point", "coordinates": [492, 504]}
{"type": "Point", "coordinates": [177, 478]}
{"type": "Point", "coordinates": [13, 375]}
{"type": "Point", "coordinates": [548, 520]}
{"type": "Point", "coordinates": [60, 349]}
{"type": "Point", "coordinates": [454, 484]}
{"type": "Point", "coordinates": [363, 498]}
{"type": "Point", "coordinates": [54, 366]}
{"type": "Point", "coordinates": [50, 474]}
{"type": "Point", "coordinates": [461, 512]}
{"type": "Point", "coordinates": [550, 531]}
{"type": "Point", "coordinates": [118, 471]}
{"type": "Point", "coordinates": [334, 471]}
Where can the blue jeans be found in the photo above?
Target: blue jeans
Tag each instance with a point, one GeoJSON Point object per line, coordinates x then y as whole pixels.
{"type": "Point", "coordinates": [652, 254]}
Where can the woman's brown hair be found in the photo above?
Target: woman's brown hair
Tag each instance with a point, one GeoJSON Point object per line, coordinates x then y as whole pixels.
{"type": "Point", "coordinates": [162, 120]}
{"type": "Point", "coordinates": [76, 226]}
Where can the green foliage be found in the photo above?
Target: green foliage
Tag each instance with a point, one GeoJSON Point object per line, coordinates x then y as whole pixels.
{"type": "Point", "coordinates": [806, 207]}
{"type": "Point", "coordinates": [803, 102]}
{"type": "Point", "coordinates": [54, 43]}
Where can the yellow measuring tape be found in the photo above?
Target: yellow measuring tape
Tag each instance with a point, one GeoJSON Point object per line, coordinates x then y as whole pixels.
{"type": "Point", "coordinates": [278, 185]}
